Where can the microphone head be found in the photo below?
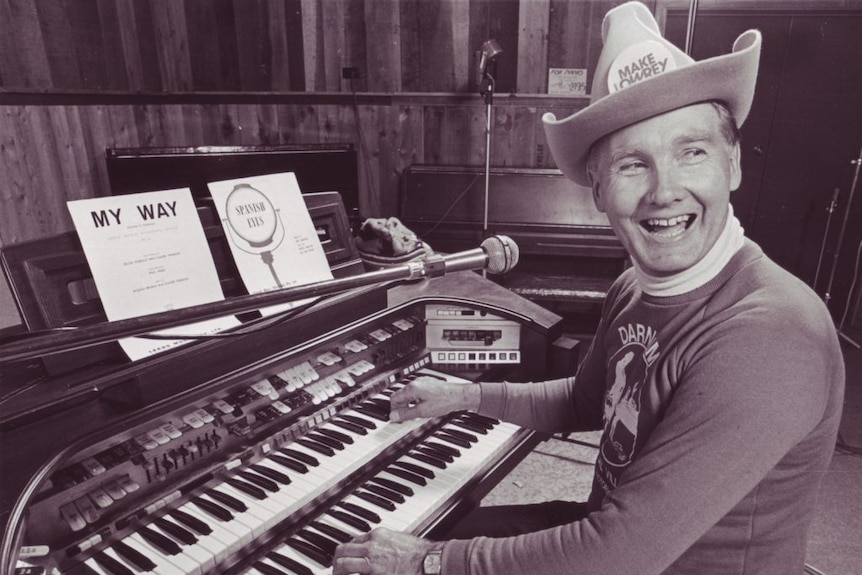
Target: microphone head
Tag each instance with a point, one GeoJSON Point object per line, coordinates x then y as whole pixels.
{"type": "Point", "coordinates": [502, 254]}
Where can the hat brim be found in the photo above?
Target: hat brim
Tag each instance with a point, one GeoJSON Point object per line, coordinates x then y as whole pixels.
{"type": "Point", "coordinates": [730, 78]}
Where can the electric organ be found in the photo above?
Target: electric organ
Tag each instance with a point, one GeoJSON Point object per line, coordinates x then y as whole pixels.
{"type": "Point", "coordinates": [258, 452]}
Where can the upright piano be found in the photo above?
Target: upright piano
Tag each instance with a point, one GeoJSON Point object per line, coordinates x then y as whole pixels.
{"type": "Point", "coordinates": [569, 253]}
{"type": "Point", "coordinates": [257, 452]}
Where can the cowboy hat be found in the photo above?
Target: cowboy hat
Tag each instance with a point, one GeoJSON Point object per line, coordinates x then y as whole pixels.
{"type": "Point", "coordinates": [639, 74]}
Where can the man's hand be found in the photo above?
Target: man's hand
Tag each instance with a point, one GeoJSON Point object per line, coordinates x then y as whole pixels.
{"type": "Point", "coordinates": [430, 397]}
{"type": "Point", "coordinates": [382, 552]}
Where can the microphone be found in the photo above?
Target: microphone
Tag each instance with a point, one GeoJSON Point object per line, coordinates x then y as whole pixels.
{"type": "Point", "coordinates": [488, 52]}
{"type": "Point", "coordinates": [497, 254]}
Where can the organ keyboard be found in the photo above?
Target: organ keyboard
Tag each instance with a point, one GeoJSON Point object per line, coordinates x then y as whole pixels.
{"type": "Point", "coordinates": [257, 454]}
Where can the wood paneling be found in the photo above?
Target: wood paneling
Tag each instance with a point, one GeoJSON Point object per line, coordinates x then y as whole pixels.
{"type": "Point", "coordinates": [68, 63]}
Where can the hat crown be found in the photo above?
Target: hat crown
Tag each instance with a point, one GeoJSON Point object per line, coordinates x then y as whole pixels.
{"type": "Point", "coordinates": [633, 51]}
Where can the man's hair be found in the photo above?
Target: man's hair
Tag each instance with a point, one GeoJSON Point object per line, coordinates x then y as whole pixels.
{"type": "Point", "coordinates": [727, 125]}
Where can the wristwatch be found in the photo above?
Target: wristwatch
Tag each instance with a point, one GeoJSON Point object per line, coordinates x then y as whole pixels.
{"type": "Point", "coordinates": [431, 564]}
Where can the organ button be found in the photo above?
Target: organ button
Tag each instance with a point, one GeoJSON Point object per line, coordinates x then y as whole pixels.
{"type": "Point", "coordinates": [204, 415]}
{"type": "Point", "coordinates": [128, 485]}
{"type": "Point", "coordinates": [146, 442]}
{"type": "Point", "coordinates": [87, 509]}
{"type": "Point", "coordinates": [73, 518]}
{"type": "Point", "coordinates": [158, 436]}
{"type": "Point", "coordinates": [93, 466]}
{"type": "Point", "coordinates": [101, 498]}
{"type": "Point", "coordinates": [170, 430]}
{"type": "Point", "coordinates": [193, 420]}
{"type": "Point", "coordinates": [223, 406]}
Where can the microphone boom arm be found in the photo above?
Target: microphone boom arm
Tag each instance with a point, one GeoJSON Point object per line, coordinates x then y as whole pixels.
{"type": "Point", "coordinates": [489, 255]}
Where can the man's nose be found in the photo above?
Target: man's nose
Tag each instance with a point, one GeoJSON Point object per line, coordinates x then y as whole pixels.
{"type": "Point", "coordinates": [665, 187]}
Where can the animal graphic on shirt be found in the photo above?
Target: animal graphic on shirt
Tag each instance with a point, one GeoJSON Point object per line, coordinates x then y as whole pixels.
{"type": "Point", "coordinates": [622, 409]}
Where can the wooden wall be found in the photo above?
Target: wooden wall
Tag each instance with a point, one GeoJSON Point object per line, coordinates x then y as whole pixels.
{"type": "Point", "coordinates": [79, 76]}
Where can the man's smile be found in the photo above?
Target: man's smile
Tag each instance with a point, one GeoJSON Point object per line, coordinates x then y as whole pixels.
{"type": "Point", "coordinates": [668, 227]}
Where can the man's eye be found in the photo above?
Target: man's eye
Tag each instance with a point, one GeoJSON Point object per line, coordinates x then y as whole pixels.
{"type": "Point", "coordinates": [694, 153]}
{"type": "Point", "coordinates": [631, 167]}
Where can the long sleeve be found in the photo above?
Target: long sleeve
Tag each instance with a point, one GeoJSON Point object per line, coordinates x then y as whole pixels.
{"type": "Point", "coordinates": [738, 413]}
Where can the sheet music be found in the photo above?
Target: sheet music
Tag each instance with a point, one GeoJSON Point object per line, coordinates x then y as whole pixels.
{"type": "Point", "coordinates": [148, 254]}
{"type": "Point", "coordinates": [270, 233]}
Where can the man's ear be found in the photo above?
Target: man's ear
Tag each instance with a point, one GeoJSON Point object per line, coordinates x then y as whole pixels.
{"type": "Point", "coordinates": [735, 167]}
{"type": "Point", "coordinates": [598, 199]}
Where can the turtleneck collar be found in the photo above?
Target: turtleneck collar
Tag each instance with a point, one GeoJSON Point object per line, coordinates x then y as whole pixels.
{"type": "Point", "coordinates": [728, 243]}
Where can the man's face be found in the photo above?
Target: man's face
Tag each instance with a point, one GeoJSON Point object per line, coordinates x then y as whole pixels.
{"type": "Point", "coordinates": [665, 185]}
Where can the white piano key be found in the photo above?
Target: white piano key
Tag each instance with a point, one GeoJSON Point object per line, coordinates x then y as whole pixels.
{"type": "Point", "coordinates": [200, 552]}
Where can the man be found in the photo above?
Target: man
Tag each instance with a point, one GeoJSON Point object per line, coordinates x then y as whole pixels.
{"type": "Point", "coordinates": [716, 376]}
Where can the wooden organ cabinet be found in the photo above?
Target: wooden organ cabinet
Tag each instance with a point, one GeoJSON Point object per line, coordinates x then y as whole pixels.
{"type": "Point", "coordinates": [259, 452]}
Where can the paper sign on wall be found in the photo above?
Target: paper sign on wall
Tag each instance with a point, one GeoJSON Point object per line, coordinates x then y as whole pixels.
{"type": "Point", "coordinates": [567, 81]}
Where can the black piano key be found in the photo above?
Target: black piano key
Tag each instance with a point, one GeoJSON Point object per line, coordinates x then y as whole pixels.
{"type": "Point", "coordinates": [429, 459]}
{"type": "Point", "coordinates": [213, 509]}
{"type": "Point", "coordinates": [358, 420]}
{"type": "Point", "coordinates": [247, 488]}
{"type": "Point", "coordinates": [178, 532]}
{"type": "Point", "coordinates": [469, 426]}
{"type": "Point", "coordinates": [373, 413]}
{"type": "Point", "coordinates": [380, 502]}
{"type": "Point", "coordinates": [443, 436]}
{"type": "Point", "coordinates": [469, 437]}
{"type": "Point", "coordinates": [164, 544]}
{"type": "Point", "coordinates": [318, 540]}
{"type": "Point", "coordinates": [351, 427]}
{"type": "Point", "coordinates": [300, 456]}
{"type": "Point", "coordinates": [228, 500]}
{"type": "Point", "coordinates": [484, 419]}
{"type": "Point", "coordinates": [392, 496]}
{"type": "Point", "coordinates": [267, 569]}
{"type": "Point", "coordinates": [468, 418]}
{"type": "Point", "coordinates": [408, 475]}
{"type": "Point", "coordinates": [336, 435]}
{"type": "Point", "coordinates": [417, 469]}
{"type": "Point", "coordinates": [435, 452]}
{"type": "Point", "coordinates": [271, 473]}
{"type": "Point", "coordinates": [362, 512]}
{"type": "Point", "coordinates": [290, 564]}
{"type": "Point", "coordinates": [191, 522]}
{"type": "Point", "coordinates": [325, 440]}
{"type": "Point", "coordinates": [315, 446]}
{"type": "Point", "coordinates": [264, 483]}
{"type": "Point", "coordinates": [393, 485]}
{"type": "Point", "coordinates": [382, 404]}
{"type": "Point", "coordinates": [133, 556]}
{"type": "Point", "coordinates": [442, 447]}
{"type": "Point", "coordinates": [310, 551]}
{"type": "Point", "coordinates": [332, 531]}
{"type": "Point", "coordinates": [113, 566]}
{"type": "Point", "coordinates": [351, 520]}
{"type": "Point", "coordinates": [297, 466]}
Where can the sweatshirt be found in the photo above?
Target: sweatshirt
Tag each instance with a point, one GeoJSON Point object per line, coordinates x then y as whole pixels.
{"type": "Point", "coordinates": [719, 409]}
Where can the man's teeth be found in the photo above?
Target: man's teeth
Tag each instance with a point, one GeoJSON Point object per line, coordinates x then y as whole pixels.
{"type": "Point", "coordinates": [654, 222]}
{"type": "Point", "coordinates": [668, 226]}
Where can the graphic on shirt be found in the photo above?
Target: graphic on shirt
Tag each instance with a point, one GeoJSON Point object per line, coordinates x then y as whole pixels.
{"type": "Point", "coordinates": [622, 405]}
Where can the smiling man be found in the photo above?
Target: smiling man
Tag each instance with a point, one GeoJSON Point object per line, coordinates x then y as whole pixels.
{"type": "Point", "coordinates": [715, 376]}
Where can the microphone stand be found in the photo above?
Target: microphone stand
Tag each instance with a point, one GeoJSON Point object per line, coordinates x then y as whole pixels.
{"type": "Point", "coordinates": [87, 336]}
{"type": "Point", "coordinates": [487, 90]}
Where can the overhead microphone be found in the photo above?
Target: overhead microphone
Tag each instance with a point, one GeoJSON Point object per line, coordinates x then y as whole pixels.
{"type": "Point", "coordinates": [496, 254]}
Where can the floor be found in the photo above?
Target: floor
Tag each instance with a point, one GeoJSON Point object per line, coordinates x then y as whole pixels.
{"type": "Point", "coordinates": [562, 469]}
